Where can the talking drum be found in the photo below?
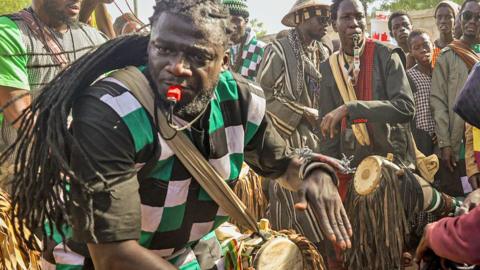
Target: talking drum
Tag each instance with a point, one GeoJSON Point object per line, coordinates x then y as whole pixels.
{"type": "Point", "coordinates": [382, 198]}
{"type": "Point", "coordinates": [272, 251]}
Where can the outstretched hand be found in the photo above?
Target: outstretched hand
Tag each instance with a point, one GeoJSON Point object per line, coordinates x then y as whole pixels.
{"type": "Point", "coordinates": [319, 191]}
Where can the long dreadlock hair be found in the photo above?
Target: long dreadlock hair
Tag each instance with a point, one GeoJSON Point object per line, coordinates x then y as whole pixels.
{"type": "Point", "coordinates": [42, 173]}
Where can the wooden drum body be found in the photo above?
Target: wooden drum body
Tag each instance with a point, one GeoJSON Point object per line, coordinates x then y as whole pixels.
{"type": "Point", "coordinates": [274, 254]}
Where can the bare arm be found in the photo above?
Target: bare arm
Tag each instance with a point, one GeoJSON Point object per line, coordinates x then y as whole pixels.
{"type": "Point", "coordinates": [126, 255]}
{"type": "Point", "coordinates": [104, 21]}
{"type": "Point", "coordinates": [15, 109]}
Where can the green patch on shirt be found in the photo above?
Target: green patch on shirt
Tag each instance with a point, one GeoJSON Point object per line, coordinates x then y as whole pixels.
{"type": "Point", "coordinates": [13, 60]}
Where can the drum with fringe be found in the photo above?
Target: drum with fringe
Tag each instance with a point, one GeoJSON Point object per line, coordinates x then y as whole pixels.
{"type": "Point", "coordinates": [380, 201]}
{"type": "Point", "coordinates": [272, 251]}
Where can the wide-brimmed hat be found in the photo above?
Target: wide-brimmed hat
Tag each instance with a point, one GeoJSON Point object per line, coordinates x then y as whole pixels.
{"type": "Point", "coordinates": [303, 8]}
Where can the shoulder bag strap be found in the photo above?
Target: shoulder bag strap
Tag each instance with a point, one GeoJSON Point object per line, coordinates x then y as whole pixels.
{"type": "Point", "coordinates": [186, 152]}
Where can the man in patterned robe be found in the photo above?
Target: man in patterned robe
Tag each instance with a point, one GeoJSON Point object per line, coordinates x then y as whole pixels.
{"type": "Point", "coordinates": [290, 77]}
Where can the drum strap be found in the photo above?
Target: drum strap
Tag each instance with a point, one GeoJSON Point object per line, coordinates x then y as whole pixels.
{"type": "Point", "coordinates": [187, 152]}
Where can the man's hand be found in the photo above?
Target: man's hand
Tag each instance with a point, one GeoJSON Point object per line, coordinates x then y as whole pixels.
{"type": "Point", "coordinates": [423, 247]}
{"type": "Point", "coordinates": [319, 191]}
{"type": "Point", "coordinates": [330, 121]}
{"type": "Point", "coordinates": [312, 116]}
{"type": "Point", "coordinates": [472, 201]}
{"type": "Point", "coordinates": [448, 158]}
{"type": "Point", "coordinates": [475, 181]}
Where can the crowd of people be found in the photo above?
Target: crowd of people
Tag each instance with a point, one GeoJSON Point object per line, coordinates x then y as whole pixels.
{"type": "Point", "coordinates": [94, 111]}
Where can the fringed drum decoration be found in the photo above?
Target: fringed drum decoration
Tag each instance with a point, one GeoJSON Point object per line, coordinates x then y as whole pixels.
{"type": "Point", "coordinates": [250, 191]}
{"type": "Point", "coordinates": [382, 199]}
{"type": "Point", "coordinates": [14, 253]}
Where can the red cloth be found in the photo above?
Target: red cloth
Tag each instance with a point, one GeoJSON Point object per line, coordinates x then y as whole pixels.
{"type": "Point", "coordinates": [457, 239]}
{"type": "Point", "coordinates": [343, 181]}
{"type": "Point", "coordinates": [363, 88]}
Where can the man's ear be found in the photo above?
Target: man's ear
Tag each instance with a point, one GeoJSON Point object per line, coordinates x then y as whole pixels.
{"type": "Point", "coordinates": [226, 60]}
{"type": "Point", "coordinates": [391, 34]}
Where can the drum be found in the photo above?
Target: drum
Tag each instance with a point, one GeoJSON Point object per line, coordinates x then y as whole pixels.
{"type": "Point", "coordinates": [272, 251]}
{"type": "Point", "coordinates": [382, 199]}
{"type": "Point", "coordinates": [379, 216]}
{"type": "Point", "coordinates": [14, 253]}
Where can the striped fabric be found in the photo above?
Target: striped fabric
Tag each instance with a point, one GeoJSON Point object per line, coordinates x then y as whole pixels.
{"type": "Point", "coordinates": [39, 64]}
{"type": "Point", "coordinates": [77, 41]}
{"type": "Point", "coordinates": [175, 211]}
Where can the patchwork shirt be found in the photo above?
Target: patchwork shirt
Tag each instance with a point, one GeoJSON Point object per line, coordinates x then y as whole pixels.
{"type": "Point", "coordinates": [251, 53]}
{"type": "Point", "coordinates": [164, 208]}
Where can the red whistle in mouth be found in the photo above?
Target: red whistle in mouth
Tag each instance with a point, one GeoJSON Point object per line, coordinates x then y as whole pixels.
{"type": "Point", "coordinates": [174, 93]}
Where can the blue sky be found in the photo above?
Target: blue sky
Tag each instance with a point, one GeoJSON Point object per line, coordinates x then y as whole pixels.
{"type": "Point", "coordinates": [270, 12]}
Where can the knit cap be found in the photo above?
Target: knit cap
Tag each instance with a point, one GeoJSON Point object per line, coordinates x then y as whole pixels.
{"type": "Point", "coordinates": [237, 8]}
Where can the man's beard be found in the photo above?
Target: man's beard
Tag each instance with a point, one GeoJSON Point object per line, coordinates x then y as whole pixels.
{"type": "Point", "coordinates": [196, 106]}
{"type": "Point", "coordinates": [58, 15]}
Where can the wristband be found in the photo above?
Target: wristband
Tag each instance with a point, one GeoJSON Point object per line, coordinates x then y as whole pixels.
{"type": "Point", "coordinates": [308, 167]}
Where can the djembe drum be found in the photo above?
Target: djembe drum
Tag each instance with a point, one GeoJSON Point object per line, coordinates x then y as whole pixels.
{"type": "Point", "coordinates": [271, 251]}
{"type": "Point", "coordinates": [382, 199]}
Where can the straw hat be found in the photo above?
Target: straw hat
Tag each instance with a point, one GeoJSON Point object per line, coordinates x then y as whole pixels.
{"type": "Point", "coordinates": [301, 6]}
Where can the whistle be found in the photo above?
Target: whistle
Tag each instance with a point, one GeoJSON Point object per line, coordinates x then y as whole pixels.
{"type": "Point", "coordinates": [174, 95]}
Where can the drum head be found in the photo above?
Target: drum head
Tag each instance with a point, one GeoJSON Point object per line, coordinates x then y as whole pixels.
{"type": "Point", "coordinates": [277, 254]}
{"type": "Point", "coordinates": [368, 175]}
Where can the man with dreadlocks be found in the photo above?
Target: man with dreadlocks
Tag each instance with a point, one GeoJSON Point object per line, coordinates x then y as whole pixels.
{"type": "Point", "coordinates": [35, 45]}
{"type": "Point", "coordinates": [114, 177]}
{"type": "Point", "coordinates": [290, 77]}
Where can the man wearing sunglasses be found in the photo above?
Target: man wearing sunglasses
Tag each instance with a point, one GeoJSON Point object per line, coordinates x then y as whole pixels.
{"type": "Point", "coordinates": [290, 78]}
{"type": "Point", "coordinates": [449, 76]}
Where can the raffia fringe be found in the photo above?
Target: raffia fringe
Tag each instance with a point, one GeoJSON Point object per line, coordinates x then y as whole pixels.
{"type": "Point", "coordinates": [379, 226]}
{"type": "Point", "coordinates": [249, 190]}
{"type": "Point", "coordinates": [14, 253]}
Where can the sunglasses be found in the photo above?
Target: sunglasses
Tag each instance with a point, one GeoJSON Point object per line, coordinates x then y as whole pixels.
{"type": "Point", "coordinates": [468, 15]}
{"type": "Point", "coordinates": [324, 20]}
